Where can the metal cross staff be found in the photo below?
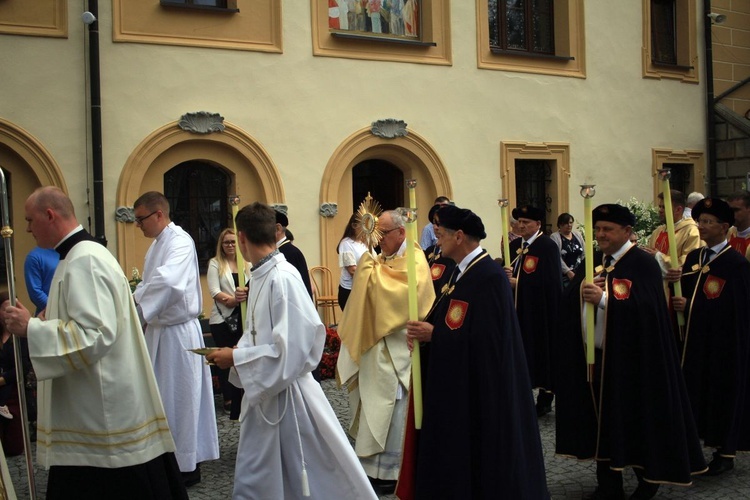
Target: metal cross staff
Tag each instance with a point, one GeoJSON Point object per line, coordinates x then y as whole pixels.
{"type": "Point", "coordinates": [7, 233]}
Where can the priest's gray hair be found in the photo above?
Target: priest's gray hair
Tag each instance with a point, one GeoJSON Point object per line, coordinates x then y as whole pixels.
{"type": "Point", "coordinates": [694, 198]}
{"type": "Point", "coordinates": [398, 219]}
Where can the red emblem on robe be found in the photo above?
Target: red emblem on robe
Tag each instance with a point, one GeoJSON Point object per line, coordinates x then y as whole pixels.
{"type": "Point", "coordinates": [621, 289]}
{"type": "Point", "coordinates": [740, 244]}
{"type": "Point", "coordinates": [713, 287]}
{"type": "Point", "coordinates": [454, 318]}
{"type": "Point", "coordinates": [662, 243]}
{"type": "Point", "coordinates": [530, 263]}
{"type": "Point", "coordinates": [437, 271]}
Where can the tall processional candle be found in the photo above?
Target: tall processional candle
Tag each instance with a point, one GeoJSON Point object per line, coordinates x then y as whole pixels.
{"type": "Point", "coordinates": [588, 192]}
{"type": "Point", "coordinates": [411, 271]}
{"type": "Point", "coordinates": [7, 234]}
{"type": "Point", "coordinates": [504, 230]}
{"type": "Point", "coordinates": [664, 175]}
{"type": "Point", "coordinates": [235, 202]}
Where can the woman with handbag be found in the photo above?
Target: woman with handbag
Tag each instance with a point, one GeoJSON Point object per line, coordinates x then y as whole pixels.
{"type": "Point", "coordinates": [225, 324]}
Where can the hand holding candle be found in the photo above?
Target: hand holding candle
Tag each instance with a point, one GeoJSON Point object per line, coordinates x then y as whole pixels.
{"type": "Point", "coordinates": [234, 201]}
{"type": "Point", "coordinates": [664, 175]}
{"type": "Point", "coordinates": [588, 192]}
{"type": "Point", "coordinates": [504, 230]}
{"type": "Point", "coordinates": [411, 270]}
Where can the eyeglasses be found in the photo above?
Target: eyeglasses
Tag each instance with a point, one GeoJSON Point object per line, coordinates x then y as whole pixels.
{"type": "Point", "coordinates": [388, 231]}
{"type": "Point", "coordinates": [707, 222]}
{"type": "Point", "coordinates": [139, 220]}
{"type": "Point", "coordinates": [229, 243]}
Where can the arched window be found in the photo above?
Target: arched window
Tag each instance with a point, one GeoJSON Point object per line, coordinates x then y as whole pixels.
{"type": "Point", "coordinates": [382, 179]}
{"type": "Point", "coordinates": [198, 201]}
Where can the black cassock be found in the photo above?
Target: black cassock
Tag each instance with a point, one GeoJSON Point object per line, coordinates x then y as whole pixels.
{"type": "Point", "coordinates": [480, 437]}
{"type": "Point", "coordinates": [296, 258]}
{"type": "Point", "coordinates": [537, 294]}
{"type": "Point", "coordinates": [715, 349]}
{"type": "Point", "coordinates": [641, 415]}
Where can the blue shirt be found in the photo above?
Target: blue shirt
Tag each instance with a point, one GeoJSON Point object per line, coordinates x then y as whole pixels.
{"type": "Point", "coordinates": [38, 269]}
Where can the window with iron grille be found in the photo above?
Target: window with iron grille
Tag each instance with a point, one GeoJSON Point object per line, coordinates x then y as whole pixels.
{"type": "Point", "coordinates": [199, 204]}
{"type": "Point", "coordinates": [680, 176]}
{"type": "Point", "coordinates": [532, 180]}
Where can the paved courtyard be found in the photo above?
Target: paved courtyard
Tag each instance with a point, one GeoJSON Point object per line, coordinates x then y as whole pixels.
{"type": "Point", "coordinates": [566, 478]}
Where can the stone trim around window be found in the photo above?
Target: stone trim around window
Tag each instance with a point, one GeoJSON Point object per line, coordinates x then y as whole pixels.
{"type": "Point", "coordinates": [145, 21]}
{"type": "Point", "coordinates": [432, 47]}
{"type": "Point", "coordinates": [661, 158]}
{"type": "Point", "coordinates": [570, 45]}
{"type": "Point", "coordinates": [686, 68]}
{"type": "Point", "coordinates": [556, 152]}
{"type": "Point", "coordinates": [47, 18]}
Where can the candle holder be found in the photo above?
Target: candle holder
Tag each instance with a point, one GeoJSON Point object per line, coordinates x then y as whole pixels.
{"type": "Point", "coordinates": [665, 174]}
{"type": "Point", "coordinates": [410, 214]}
{"type": "Point", "coordinates": [587, 190]}
{"type": "Point", "coordinates": [234, 200]}
{"type": "Point", "coordinates": [503, 202]}
{"type": "Point", "coordinates": [411, 183]}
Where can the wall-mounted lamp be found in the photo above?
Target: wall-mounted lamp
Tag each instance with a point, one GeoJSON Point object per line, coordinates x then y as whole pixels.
{"type": "Point", "coordinates": [717, 18]}
{"type": "Point", "coordinates": [88, 18]}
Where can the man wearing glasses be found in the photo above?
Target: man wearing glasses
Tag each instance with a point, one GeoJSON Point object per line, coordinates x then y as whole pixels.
{"type": "Point", "coordinates": [714, 349]}
{"type": "Point", "coordinates": [169, 301]}
{"type": "Point", "coordinates": [374, 360]}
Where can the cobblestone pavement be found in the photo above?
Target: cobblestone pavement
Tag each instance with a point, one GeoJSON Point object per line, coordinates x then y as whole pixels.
{"type": "Point", "coordinates": [566, 478]}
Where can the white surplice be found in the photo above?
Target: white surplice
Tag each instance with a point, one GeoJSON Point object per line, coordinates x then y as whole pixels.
{"type": "Point", "coordinates": [285, 414]}
{"type": "Point", "coordinates": [99, 404]}
{"type": "Point", "coordinates": [170, 301]}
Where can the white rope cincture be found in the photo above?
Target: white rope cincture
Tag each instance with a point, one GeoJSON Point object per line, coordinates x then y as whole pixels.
{"type": "Point", "coordinates": [305, 483]}
{"type": "Point", "coordinates": [286, 403]}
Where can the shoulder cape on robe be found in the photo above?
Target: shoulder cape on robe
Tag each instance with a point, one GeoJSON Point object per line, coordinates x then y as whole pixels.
{"type": "Point", "coordinates": [642, 417]}
{"type": "Point", "coordinates": [538, 289]}
{"type": "Point", "coordinates": [716, 348]}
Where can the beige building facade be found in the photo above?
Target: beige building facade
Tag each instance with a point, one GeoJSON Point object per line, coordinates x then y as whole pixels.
{"type": "Point", "coordinates": [289, 107]}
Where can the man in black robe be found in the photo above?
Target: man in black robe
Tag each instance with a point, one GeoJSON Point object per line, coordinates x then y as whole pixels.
{"type": "Point", "coordinates": [715, 348]}
{"type": "Point", "coordinates": [479, 437]}
{"type": "Point", "coordinates": [635, 410]}
{"type": "Point", "coordinates": [536, 276]}
{"type": "Point", "coordinates": [293, 254]}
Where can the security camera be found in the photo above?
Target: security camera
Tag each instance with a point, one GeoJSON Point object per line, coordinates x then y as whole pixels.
{"type": "Point", "coordinates": [88, 17]}
{"type": "Point", "coordinates": [717, 18]}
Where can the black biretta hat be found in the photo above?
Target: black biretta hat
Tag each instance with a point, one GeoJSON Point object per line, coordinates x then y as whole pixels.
{"type": "Point", "coordinates": [716, 207]}
{"type": "Point", "coordinates": [433, 211]}
{"type": "Point", "coordinates": [461, 219]}
{"type": "Point", "coordinates": [281, 218]}
{"type": "Point", "coordinates": [528, 212]}
{"type": "Point", "coordinates": [611, 212]}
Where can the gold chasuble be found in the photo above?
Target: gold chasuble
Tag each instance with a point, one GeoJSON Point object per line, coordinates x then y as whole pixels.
{"type": "Point", "coordinates": [374, 360]}
{"type": "Point", "coordinates": [379, 301]}
{"type": "Point", "coordinates": [6, 484]}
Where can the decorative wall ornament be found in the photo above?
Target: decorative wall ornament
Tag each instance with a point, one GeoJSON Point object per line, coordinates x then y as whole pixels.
{"type": "Point", "coordinates": [125, 214]}
{"type": "Point", "coordinates": [329, 209]}
{"type": "Point", "coordinates": [202, 122]}
{"type": "Point", "coordinates": [390, 128]}
{"type": "Point", "coordinates": [280, 207]}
